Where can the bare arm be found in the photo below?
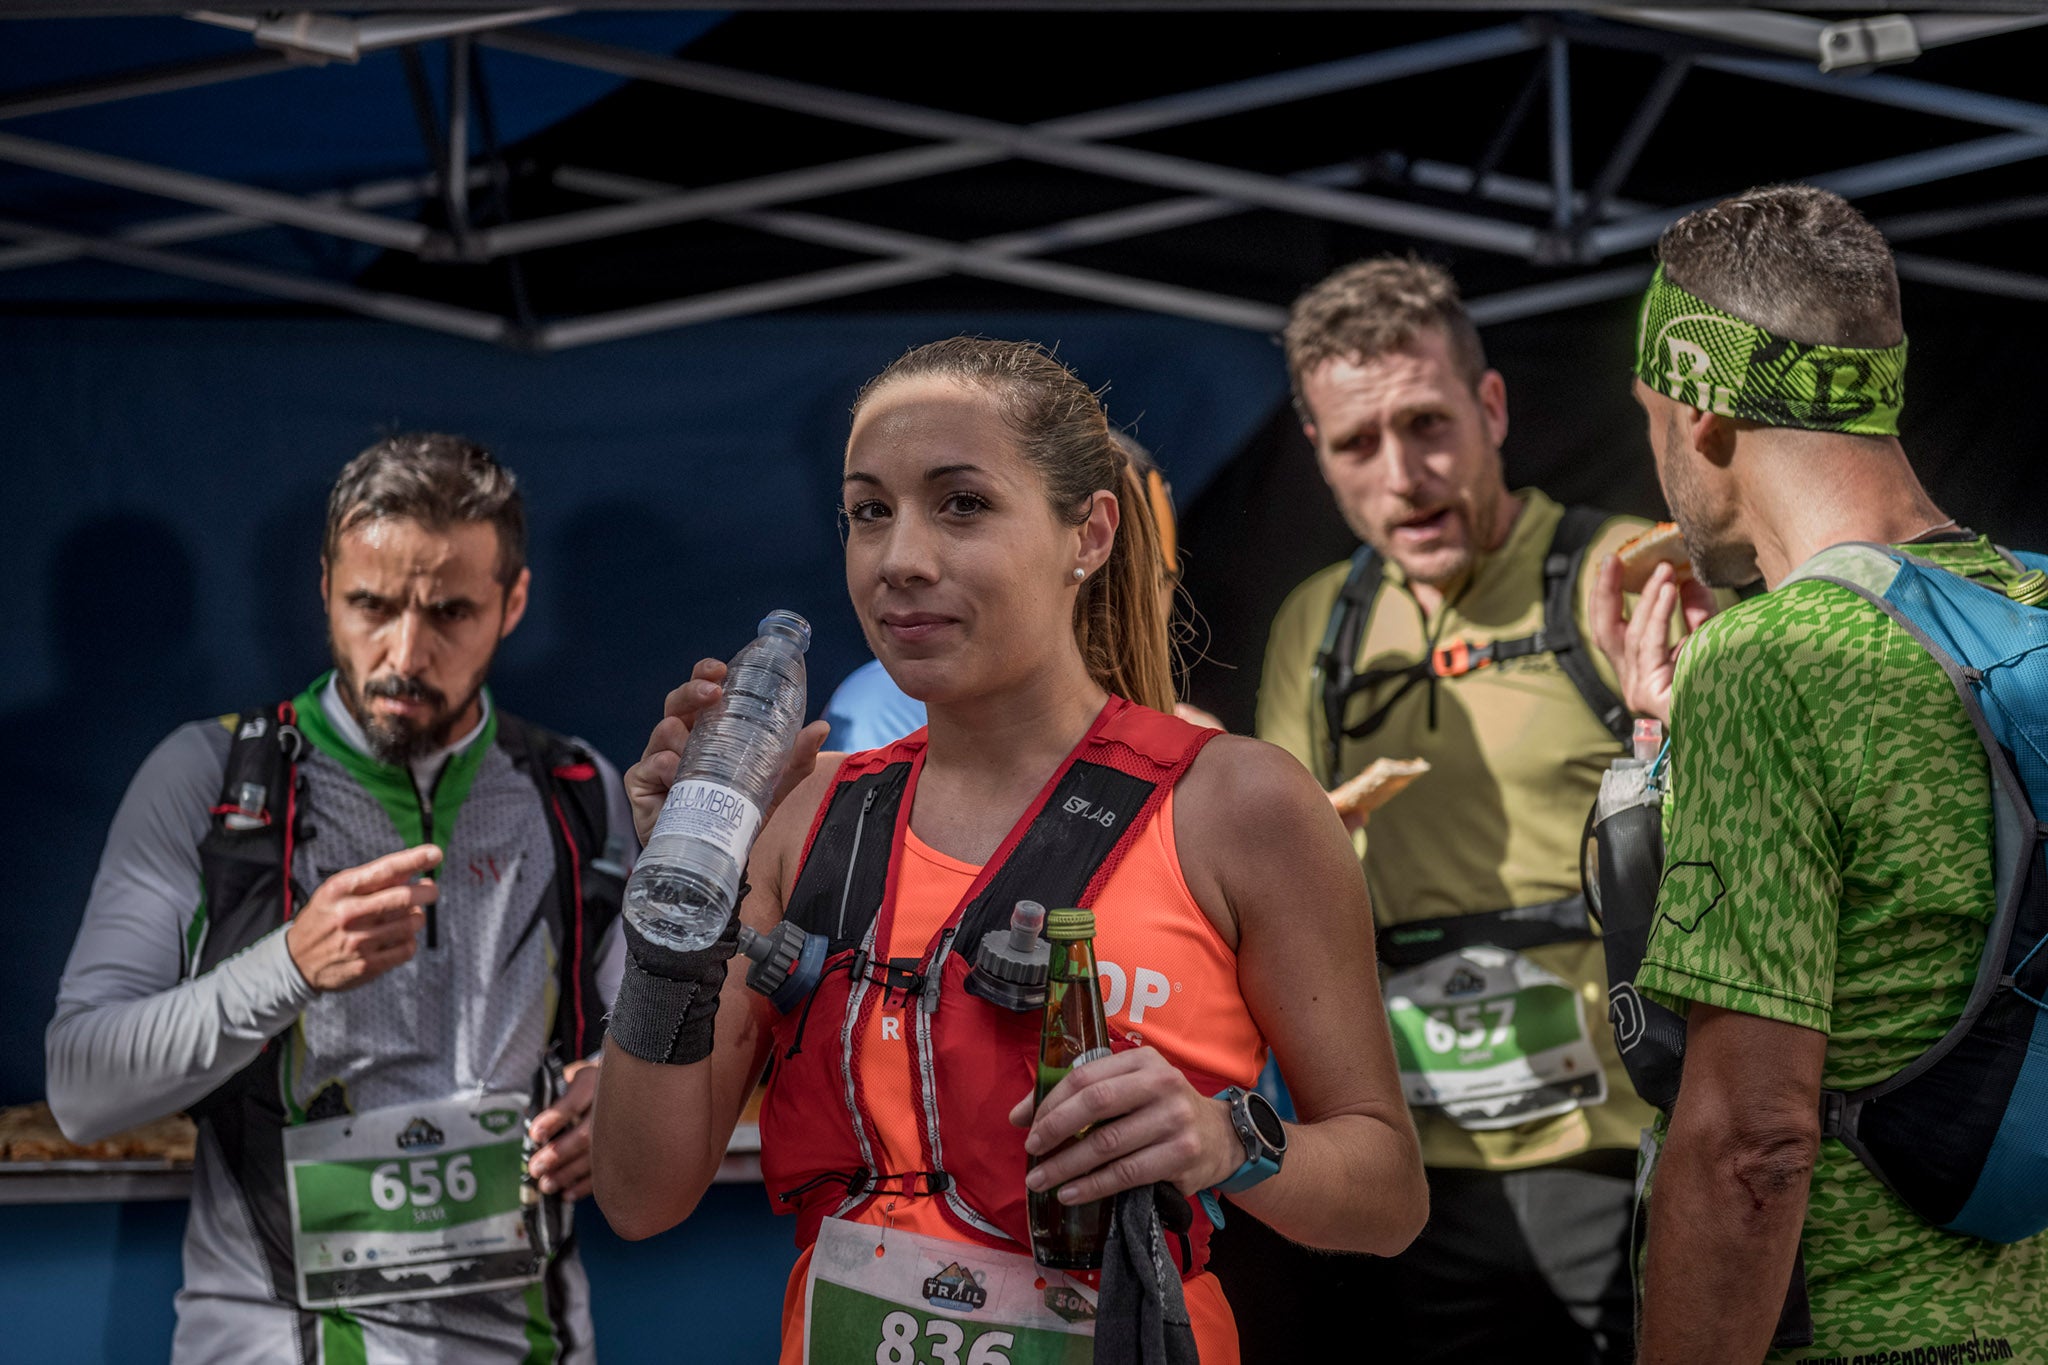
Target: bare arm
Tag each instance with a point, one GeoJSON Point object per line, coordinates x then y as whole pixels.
{"type": "Point", "coordinates": [660, 1131]}
{"type": "Point", "coordinates": [1258, 837]}
{"type": "Point", "coordinates": [1729, 1195]}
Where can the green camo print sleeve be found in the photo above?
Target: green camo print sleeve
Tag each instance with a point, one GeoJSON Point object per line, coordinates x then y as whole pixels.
{"type": "Point", "coordinates": [1827, 841]}
{"type": "Point", "coordinates": [1746, 915]}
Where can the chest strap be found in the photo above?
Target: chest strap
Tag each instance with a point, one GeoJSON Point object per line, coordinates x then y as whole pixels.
{"type": "Point", "coordinates": [1414, 942]}
{"type": "Point", "coordinates": [1337, 679]}
{"type": "Point", "coordinates": [845, 873]}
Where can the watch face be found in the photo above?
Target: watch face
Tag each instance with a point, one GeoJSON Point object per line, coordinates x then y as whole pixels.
{"type": "Point", "coordinates": [1266, 1120]}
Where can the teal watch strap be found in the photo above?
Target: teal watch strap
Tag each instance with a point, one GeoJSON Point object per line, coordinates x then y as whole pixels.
{"type": "Point", "coordinates": [1259, 1164]}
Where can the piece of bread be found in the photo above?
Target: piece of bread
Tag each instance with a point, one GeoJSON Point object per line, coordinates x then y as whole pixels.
{"type": "Point", "coordinates": [1661, 544]}
{"type": "Point", "coordinates": [1382, 781]}
{"type": "Point", "coordinates": [29, 1132]}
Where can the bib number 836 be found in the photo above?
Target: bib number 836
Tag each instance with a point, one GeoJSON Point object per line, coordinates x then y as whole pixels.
{"type": "Point", "coordinates": [424, 1182]}
{"type": "Point", "coordinates": [899, 1344]}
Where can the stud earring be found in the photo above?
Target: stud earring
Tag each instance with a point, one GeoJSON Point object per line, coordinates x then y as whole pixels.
{"type": "Point", "coordinates": [1079, 573]}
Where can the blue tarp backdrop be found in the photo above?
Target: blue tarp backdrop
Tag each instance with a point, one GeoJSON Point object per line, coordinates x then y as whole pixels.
{"type": "Point", "coordinates": [167, 481]}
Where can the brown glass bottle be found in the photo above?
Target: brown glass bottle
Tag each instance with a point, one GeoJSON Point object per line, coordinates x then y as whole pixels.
{"type": "Point", "coordinates": [1069, 1237]}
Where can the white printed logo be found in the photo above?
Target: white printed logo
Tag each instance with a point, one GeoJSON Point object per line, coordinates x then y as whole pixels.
{"type": "Point", "coordinates": [1144, 989]}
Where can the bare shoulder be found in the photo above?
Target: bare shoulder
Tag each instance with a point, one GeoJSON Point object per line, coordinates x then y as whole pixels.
{"type": "Point", "coordinates": [1242, 788]}
{"type": "Point", "coordinates": [1248, 818]}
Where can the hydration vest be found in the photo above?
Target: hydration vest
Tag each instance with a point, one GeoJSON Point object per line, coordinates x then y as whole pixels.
{"type": "Point", "coordinates": [1336, 680]}
{"type": "Point", "coordinates": [1960, 1133]}
{"type": "Point", "coordinates": [246, 877]}
{"type": "Point", "coordinates": [973, 1059]}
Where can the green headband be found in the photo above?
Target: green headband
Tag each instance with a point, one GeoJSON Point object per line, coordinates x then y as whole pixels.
{"type": "Point", "coordinates": [1691, 351]}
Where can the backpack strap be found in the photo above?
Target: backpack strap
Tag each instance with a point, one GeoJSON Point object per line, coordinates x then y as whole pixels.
{"type": "Point", "coordinates": [1563, 566]}
{"type": "Point", "coordinates": [1336, 659]}
{"type": "Point", "coordinates": [590, 872]}
{"type": "Point", "coordinates": [1067, 850]}
{"type": "Point", "coordinates": [253, 828]}
{"type": "Point", "coordinates": [1336, 677]}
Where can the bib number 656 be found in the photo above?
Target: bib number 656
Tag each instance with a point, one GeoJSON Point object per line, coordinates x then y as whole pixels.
{"type": "Point", "coordinates": [424, 1181]}
{"type": "Point", "coordinates": [899, 1344]}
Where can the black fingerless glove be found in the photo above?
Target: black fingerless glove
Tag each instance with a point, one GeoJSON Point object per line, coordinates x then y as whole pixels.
{"type": "Point", "coordinates": [668, 1000]}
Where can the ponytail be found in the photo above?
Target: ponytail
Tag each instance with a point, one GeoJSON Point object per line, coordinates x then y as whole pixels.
{"type": "Point", "coordinates": [1119, 622]}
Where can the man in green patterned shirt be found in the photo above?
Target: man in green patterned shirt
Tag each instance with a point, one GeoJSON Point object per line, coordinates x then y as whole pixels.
{"type": "Point", "coordinates": [1828, 854]}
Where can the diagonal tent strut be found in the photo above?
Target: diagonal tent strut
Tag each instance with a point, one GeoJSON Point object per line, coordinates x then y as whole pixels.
{"type": "Point", "coordinates": [1069, 150]}
{"type": "Point", "coordinates": [889, 168]}
{"type": "Point", "coordinates": [439, 317]}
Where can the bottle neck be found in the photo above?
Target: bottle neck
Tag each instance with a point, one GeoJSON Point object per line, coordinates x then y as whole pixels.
{"type": "Point", "coordinates": [1074, 960]}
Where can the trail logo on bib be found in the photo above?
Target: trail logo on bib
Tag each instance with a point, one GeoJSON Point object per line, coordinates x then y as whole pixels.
{"type": "Point", "coordinates": [420, 1136]}
{"type": "Point", "coordinates": [956, 1287]}
{"type": "Point", "coordinates": [1464, 981]}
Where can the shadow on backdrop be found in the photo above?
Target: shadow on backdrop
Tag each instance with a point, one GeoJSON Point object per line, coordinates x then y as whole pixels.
{"type": "Point", "coordinates": [614, 586]}
{"type": "Point", "coordinates": [122, 597]}
{"type": "Point", "coordinates": [284, 597]}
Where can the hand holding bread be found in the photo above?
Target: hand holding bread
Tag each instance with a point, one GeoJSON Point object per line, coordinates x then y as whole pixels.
{"type": "Point", "coordinates": [1382, 780]}
{"type": "Point", "coordinates": [1658, 568]}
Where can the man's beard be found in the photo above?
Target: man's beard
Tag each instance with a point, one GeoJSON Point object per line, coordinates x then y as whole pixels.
{"type": "Point", "coordinates": [393, 739]}
{"type": "Point", "coordinates": [1719, 559]}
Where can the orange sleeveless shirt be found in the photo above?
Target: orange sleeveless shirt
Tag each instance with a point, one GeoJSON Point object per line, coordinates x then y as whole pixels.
{"type": "Point", "coordinates": [1168, 980]}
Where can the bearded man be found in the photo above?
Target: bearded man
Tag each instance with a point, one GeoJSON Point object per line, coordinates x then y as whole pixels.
{"type": "Point", "coordinates": [366, 936]}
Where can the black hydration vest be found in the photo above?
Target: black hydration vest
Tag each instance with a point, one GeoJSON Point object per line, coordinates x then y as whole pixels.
{"type": "Point", "coordinates": [1337, 680]}
{"type": "Point", "coordinates": [246, 878]}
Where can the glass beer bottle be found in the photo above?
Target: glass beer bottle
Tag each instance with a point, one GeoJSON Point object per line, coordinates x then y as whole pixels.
{"type": "Point", "coordinates": [1069, 1237]}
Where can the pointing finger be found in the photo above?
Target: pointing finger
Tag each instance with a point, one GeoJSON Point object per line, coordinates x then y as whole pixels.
{"type": "Point", "coordinates": [401, 866]}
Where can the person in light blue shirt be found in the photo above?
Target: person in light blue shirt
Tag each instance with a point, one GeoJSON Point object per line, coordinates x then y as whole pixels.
{"type": "Point", "coordinates": [869, 710]}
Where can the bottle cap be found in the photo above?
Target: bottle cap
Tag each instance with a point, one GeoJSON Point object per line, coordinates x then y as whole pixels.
{"type": "Point", "coordinates": [1026, 920]}
{"type": "Point", "coordinates": [784, 622]}
{"type": "Point", "coordinates": [1069, 925]}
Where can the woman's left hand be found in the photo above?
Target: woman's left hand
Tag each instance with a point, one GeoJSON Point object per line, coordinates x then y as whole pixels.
{"type": "Point", "coordinates": [1149, 1125]}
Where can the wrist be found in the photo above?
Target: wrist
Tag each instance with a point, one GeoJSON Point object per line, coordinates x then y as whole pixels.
{"type": "Point", "coordinates": [291, 956]}
{"type": "Point", "coordinates": [668, 999]}
{"type": "Point", "coordinates": [1226, 1149]}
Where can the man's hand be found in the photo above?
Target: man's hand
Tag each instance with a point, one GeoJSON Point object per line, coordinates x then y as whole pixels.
{"type": "Point", "coordinates": [648, 781]}
{"type": "Point", "coordinates": [363, 921]}
{"type": "Point", "coordinates": [1640, 646]}
{"type": "Point", "coordinates": [1149, 1125]}
{"type": "Point", "coordinates": [563, 1128]}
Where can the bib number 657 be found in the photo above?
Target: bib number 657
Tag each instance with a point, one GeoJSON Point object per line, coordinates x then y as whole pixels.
{"type": "Point", "coordinates": [899, 1343]}
{"type": "Point", "coordinates": [424, 1181]}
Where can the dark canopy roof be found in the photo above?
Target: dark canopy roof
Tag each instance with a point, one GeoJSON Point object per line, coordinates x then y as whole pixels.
{"type": "Point", "coordinates": [545, 179]}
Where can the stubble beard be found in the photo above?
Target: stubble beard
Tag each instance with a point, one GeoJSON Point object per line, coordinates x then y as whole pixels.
{"type": "Point", "coordinates": [392, 739]}
{"type": "Point", "coordinates": [1442, 568]}
{"type": "Point", "coordinates": [1720, 558]}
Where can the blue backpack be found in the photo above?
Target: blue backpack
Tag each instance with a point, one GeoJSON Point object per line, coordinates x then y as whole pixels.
{"type": "Point", "coordinates": [1961, 1134]}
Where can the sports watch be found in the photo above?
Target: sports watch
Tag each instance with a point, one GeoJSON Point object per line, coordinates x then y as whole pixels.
{"type": "Point", "coordinates": [1259, 1128]}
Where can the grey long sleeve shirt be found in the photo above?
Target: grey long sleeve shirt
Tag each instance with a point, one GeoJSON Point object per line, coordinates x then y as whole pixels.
{"type": "Point", "coordinates": [131, 1040]}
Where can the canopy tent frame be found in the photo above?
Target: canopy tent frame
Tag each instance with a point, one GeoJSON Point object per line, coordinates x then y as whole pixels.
{"type": "Point", "coordinates": [1586, 229]}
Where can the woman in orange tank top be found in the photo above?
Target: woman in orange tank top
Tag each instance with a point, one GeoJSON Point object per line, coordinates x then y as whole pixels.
{"type": "Point", "coordinates": [1003, 560]}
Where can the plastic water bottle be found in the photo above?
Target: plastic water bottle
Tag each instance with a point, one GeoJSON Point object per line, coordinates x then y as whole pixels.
{"type": "Point", "coordinates": [686, 883]}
